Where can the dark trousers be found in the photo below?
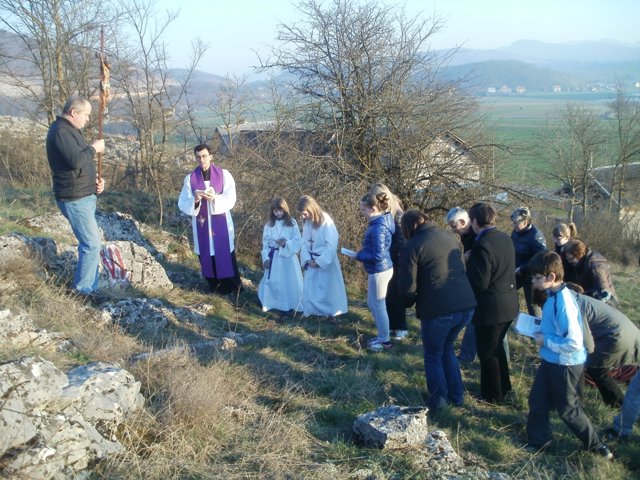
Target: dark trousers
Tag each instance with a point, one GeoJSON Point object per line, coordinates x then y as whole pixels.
{"type": "Point", "coordinates": [607, 386]}
{"type": "Point", "coordinates": [395, 306]}
{"type": "Point", "coordinates": [225, 286]}
{"type": "Point", "coordinates": [556, 386]}
{"type": "Point", "coordinates": [527, 288]}
{"type": "Point", "coordinates": [494, 365]}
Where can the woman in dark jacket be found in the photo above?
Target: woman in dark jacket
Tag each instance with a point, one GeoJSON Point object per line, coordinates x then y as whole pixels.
{"type": "Point", "coordinates": [527, 241]}
{"type": "Point", "coordinates": [376, 260]}
{"type": "Point", "coordinates": [590, 270]}
{"type": "Point", "coordinates": [432, 277]}
{"type": "Point", "coordinates": [491, 271]}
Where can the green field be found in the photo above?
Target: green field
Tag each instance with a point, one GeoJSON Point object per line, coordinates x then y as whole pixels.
{"type": "Point", "coordinates": [520, 121]}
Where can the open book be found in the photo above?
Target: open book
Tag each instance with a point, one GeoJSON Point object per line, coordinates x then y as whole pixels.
{"type": "Point", "coordinates": [527, 324]}
{"type": "Point", "coordinates": [347, 252]}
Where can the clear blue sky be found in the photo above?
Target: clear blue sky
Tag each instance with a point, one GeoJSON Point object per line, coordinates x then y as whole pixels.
{"type": "Point", "coordinates": [235, 29]}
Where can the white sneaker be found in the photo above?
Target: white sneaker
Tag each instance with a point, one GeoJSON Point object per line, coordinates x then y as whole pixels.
{"type": "Point", "coordinates": [378, 345]}
{"type": "Point", "coordinates": [401, 334]}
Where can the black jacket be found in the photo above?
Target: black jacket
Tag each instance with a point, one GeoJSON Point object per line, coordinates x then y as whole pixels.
{"type": "Point", "coordinates": [491, 271]}
{"type": "Point", "coordinates": [71, 161]}
{"type": "Point", "coordinates": [431, 274]}
{"type": "Point", "coordinates": [527, 243]}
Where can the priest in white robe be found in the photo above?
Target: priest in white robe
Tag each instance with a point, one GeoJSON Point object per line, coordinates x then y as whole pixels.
{"type": "Point", "coordinates": [208, 195]}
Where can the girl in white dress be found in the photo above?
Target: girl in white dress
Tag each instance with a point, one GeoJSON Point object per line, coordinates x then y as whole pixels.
{"type": "Point", "coordinates": [281, 284]}
{"type": "Point", "coordinates": [323, 292]}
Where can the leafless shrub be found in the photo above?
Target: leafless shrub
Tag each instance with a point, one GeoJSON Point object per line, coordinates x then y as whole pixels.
{"type": "Point", "coordinates": [22, 160]}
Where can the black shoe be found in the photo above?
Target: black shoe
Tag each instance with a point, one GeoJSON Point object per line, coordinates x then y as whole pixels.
{"type": "Point", "coordinates": [612, 434]}
{"type": "Point", "coordinates": [535, 448]}
{"type": "Point", "coordinates": [603, 451]}
{"type": "Point", "coordinates": [95, 297]}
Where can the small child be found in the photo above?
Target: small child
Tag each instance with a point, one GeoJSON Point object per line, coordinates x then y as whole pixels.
{"type": "Point", "coordinates": [281, 284]}
{"type": "Point", "coordinates": [563, 354]}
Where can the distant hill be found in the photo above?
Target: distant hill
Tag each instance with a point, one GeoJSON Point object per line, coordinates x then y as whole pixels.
{"type": "Point", "coordinates": [538, 66]}
{"type": "Point", "coordinates": [541, 53]}
{"type": "Point", "coordinates": [511, 73]}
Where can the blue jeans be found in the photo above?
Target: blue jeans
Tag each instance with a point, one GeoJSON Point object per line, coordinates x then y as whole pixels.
{"type": "Point", "coordinates": [376, 292]}
{"type": "Point", "coordinates": [468, 344]}
{"type": "Point", "coordinates": [623, 423]}
{"type": "Point", "coordinates": [82, 218]}
{"type": "Point", "coordinates": [444, 380]}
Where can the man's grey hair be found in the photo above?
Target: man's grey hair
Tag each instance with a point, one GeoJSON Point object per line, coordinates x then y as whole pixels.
{"type": "Point", "coordinates": [457, 213]}
{"type": "Point", "coordinates": [75, 102]}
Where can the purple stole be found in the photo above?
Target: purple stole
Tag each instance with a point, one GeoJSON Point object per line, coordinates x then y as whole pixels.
{"type": "Point", "coordinates": [219, 230]}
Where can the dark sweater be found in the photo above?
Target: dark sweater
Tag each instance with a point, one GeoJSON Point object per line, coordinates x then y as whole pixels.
{"type": "Point", "coordinates": [431, 274]}
{"type": "Point", "coordinates": [491, 271]}
{"type": "Point", "coordinates": [71, 161]}
{"type": "Point", "coordinates": [527, 243]}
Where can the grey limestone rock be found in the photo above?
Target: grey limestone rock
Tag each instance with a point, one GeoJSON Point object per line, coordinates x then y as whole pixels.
{"type": "Point", "coordinates": [392, 427]}
{"type": "Point", "coordinates": [54, 425]}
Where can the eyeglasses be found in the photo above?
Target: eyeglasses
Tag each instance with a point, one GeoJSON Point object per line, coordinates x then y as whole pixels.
{"type": "Point", "coordinates": [204, 155]}
{"type": "Point", "coordinates": [537, 277]}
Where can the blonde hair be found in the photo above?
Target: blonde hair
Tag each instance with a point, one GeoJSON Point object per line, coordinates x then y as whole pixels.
{"type": "Point", "coordinates": [377, 200]}
{"type": "Point", "coordinates": [310, 205]}
{"type": "Point", "coordinates": [395, 206]}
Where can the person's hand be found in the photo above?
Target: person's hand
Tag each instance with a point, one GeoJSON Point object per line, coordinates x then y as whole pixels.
{"type": "Point", "coordinates": [539, 337]}
{"type": "Point", "coordinates": [266, 264]}
{"type": "Point", "coordinates": [281, 242]}
{"type": "Point", "coordinates": [209, 194]}
{"type": "Point", "coordinates": [313, 264]}
{"type": "Point", "coordinates": [466, 256]}
{"type": "Point", "coordinates": [99, 184]}
{"type": "Point", "coordinates": [98, 145]}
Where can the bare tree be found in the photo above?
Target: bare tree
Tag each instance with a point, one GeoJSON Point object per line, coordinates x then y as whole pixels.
{"type": "Point", "coordinates": [625, 111]}
{"type": "Point", "coordinates": [151, 97]}
{"type": "Point", "coordinates": [54, 53]}
{"type": "Point", "coordinates": [366, 78]}
{"type": "Point", "coordinates": [574, 145]}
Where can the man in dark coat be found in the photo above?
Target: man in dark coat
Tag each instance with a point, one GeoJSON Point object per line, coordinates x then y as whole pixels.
{"type": "Point", "coordinates": [491, 272]}
{"type": "Point", "coordinates": [75, 185]}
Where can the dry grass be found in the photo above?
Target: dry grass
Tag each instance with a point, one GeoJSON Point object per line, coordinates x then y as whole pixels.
{"type": "Point", "coordinates": [283, 406]}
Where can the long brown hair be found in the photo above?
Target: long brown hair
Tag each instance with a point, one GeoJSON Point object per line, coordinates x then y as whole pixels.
{"type": "Point", "coordinates": [280, 204]}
